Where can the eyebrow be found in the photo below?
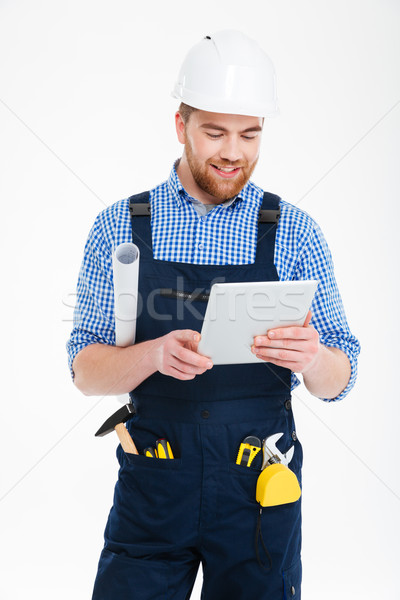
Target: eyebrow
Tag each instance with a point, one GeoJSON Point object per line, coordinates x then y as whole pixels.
{"type": "Point", "coordinates": [219, 128]}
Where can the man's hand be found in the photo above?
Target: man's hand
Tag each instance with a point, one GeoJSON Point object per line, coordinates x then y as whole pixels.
{"type": "Point", "coordinates": [175, 354]}
{"type": "Point", "coordinates": [296, 348]}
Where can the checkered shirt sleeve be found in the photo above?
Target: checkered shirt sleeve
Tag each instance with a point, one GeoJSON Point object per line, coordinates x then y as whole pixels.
{"type": "Point", "coordinates": [302, 253]}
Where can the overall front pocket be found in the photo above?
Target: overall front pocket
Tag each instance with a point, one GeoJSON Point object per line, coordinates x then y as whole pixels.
{"type": "Point", "coordinates": [151, 502]}
{"type": "Point", "coordinates": [152, 463]}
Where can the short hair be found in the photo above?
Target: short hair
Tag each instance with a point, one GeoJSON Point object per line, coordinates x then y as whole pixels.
{"type": "Point", "coordinates": [185, 111]}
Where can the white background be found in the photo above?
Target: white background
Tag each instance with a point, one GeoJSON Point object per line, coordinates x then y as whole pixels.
{"type": "Point", "coordinates": [86, 119]}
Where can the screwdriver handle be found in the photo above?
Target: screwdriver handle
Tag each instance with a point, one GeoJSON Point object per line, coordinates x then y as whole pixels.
{"type": "Point", "coordinates": [164, 449]}
{"type": "Point", "coordinates": [150, 452]}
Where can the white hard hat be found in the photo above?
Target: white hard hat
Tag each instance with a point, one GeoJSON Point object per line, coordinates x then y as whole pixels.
{"type": "Point", "coordinates": [228, 73]}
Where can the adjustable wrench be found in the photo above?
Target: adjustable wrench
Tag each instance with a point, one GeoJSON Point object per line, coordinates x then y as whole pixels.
{"type": "Point", "coordinates": [272, 455]}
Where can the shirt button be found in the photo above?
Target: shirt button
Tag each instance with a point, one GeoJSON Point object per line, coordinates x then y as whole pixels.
{"type": "Point", "coordinates": [205, 414]}
{"type": "Point", "coordinates": [288, 404]}
{"type": "Point", "coordinates": [292, 590]}
{"type": "Point", "coordinates": [201, 246]}
{"type": "Point", "coordinates": [203, 219]}
{"type": "Point", "coordinates": [294, 436]}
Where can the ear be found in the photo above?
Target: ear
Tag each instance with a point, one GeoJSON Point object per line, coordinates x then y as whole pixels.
{"type": "Point", "coordinates": [180, 128]}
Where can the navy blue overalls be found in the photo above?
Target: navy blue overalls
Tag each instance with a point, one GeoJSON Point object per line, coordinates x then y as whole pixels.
{"type": "Point", "coordinates": [168, 515]}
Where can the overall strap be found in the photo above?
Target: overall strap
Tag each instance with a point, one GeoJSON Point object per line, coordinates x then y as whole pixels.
{"type": "Point", "coordinates": [267, 225]}
{"type": "Point", "coordinates": [139, 207]}
{"type": "Point", "coordinates": [270, 210]}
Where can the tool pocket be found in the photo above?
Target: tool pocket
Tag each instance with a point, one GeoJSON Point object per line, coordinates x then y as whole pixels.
{"type": "Point", "coordinates": [153, 434]}
{"type": "Point", "coordinates": [150, 496]}
{"type": "Point", "coordinates": [153, 463]}
{"type": "Point", "coordinates": [292, 581]}
{"type": "Point", "coordinates": [243, 481]}
{"type": "Point", "coordinates": [139, 461]}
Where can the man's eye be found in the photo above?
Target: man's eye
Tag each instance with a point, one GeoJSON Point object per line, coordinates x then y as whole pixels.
{"type": "Point", "coordinates": [214, 136]}
{"type": "Point", "coordinates": [249, 137]}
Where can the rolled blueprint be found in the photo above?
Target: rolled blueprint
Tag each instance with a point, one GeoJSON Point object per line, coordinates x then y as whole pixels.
{"type": "Point", "coordinates": [126, 276]}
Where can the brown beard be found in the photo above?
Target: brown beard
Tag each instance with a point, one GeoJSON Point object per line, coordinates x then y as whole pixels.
{"type": "Point", "coordinates": [224, 189]}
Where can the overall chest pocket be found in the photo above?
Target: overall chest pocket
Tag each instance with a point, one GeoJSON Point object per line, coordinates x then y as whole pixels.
{"type": "Point", "coordinates": [169, 303]}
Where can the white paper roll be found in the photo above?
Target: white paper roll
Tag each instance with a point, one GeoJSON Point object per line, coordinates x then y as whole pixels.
{"type": "Point", "coordinates": [126, 276]}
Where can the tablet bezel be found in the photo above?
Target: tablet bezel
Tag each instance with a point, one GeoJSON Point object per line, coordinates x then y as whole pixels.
{"type": "Point", "coordinates": [229, 327]}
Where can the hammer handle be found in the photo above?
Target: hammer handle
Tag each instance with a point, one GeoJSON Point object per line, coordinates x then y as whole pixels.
{"type": "Point", "coordinates": [125, 439]}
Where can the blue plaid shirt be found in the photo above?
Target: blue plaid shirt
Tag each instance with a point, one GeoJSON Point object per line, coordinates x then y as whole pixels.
{"type": "Point", "coordinates": [227, 234]}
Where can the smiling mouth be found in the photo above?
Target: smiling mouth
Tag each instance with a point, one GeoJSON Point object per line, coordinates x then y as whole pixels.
{"type": "Point", "coordinates": [226, 171]}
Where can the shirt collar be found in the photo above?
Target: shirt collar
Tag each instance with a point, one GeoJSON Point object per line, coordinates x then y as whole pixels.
{"type": "Point", "coordinates": [178, 192]}
{"type": "Point", "coordinates": [174, 184]}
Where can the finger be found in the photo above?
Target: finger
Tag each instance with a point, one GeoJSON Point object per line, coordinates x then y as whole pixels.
{"type": "Point", "coordinates": [286, 343]}
{"type": "Point", "coordinates": [295, 367]}
{"type": "Point", "coordinates": [294, 333]}
{"type": "Point", "coordinates": [177, 374]}
{"type": "Point", "coordinates": [187, 335]}
{"type": "Point", "coordinates": [189, 357]}
{"type": "Point", "coordinates": [308, 318]}
{"type": "Point", "coordinates": [185, 367]}
{"type": "Point", "coordinates": [272, 354]}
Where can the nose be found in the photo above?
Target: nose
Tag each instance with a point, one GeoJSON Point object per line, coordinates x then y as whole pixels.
{"type": "Point", "coordinates": [230, 150]}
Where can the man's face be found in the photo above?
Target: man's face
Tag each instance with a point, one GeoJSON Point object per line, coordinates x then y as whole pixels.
{"type": "Point", "coordinates": [221, 152]}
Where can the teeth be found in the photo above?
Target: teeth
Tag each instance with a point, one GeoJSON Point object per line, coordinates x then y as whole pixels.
{"type": "Point", "coordinates": [225, 170]}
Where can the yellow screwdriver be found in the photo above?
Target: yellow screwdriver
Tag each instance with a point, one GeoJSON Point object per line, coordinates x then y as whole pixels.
{"type": "Point", "coordinates": [150, 452]}
{"type": "Point", "coordinates": [163, 448]}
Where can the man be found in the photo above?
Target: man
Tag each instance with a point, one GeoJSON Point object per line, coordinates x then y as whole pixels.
{"type": "Point", "coordinates": [168, 515]}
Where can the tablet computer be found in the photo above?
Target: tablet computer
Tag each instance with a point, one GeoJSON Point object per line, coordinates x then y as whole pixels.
{"type": "Point", "coordinates": [236, 312]}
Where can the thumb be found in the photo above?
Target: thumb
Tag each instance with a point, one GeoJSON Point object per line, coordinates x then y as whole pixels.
{"type": "Point", "coordinates": [188, 335]}
{"type": "Point", "coordinates": [308, 318]}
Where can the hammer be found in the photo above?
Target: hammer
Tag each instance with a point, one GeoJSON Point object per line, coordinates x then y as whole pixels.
{"type": "Point", "coordinates": [116, 421]}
